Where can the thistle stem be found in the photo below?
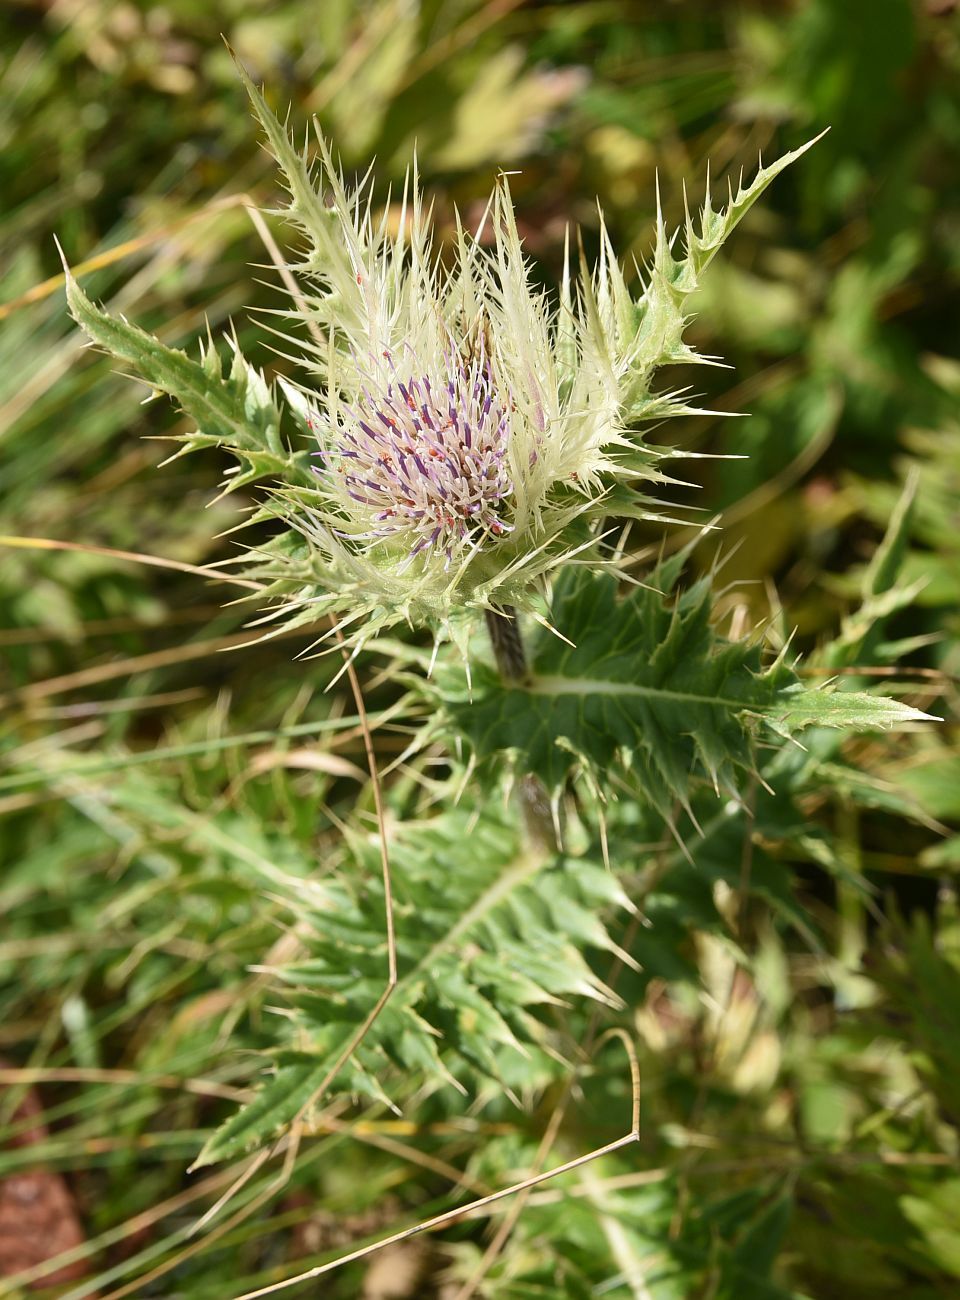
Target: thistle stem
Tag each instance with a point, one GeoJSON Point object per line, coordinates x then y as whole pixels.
{"type": "Point", "coordinates": [503, 626]}
{"type": "Point", "coordinates": [504, 629]}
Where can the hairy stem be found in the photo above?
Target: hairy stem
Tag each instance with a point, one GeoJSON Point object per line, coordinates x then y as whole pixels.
{"type": "Point", "coordinates": [503, 626]}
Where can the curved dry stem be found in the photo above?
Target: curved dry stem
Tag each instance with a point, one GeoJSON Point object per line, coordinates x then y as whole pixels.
{"type": "Point", "coordinates": [504, 1230]}
{"type": "Point", "coordinates": [37, 292]}
{"type": "Point", "coordinates": [449, 1216]}
{"type": "Point", "coordinates": [135, 557]}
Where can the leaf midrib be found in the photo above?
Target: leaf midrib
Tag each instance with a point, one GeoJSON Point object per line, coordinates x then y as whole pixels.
{"type": "Point", "coordinates": [600, 686]}
{"type": "Point", "coordinates": [521, 869]}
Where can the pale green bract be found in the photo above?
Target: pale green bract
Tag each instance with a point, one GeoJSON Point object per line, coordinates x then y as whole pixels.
{"type": "Point", "coordinates": [461, 435]}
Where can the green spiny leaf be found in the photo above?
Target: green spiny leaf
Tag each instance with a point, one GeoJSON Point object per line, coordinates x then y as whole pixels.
{"type": "Point", "coordinates": [798, 707]}
{"type": "Point", "coordinates": [661, 312]}
{"type": "Point", "coordinates": [647, 687]}
{"type": "Point", "coordinates": [480, 953]}
{"type": "Point", "coordinates": [237, 411]}
{"type": "Point", "coordinates": [275, 1105]}
{"type": "Point", "coordinates": [307, 208]}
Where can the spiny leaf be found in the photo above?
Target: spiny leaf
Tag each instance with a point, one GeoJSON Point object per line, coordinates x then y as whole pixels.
{"type": "Point", "coordinates": [236, 411]}
{"type": "Point", "coordinates": [798, 707]}
{"type": "Point", "coordinates": [647, 688]}
{"type": "Point", "coordinates": [716, 225]}
{"type": "Point", "coordinates": [306, 208]}
{"type": "Point", "coordinates": [279, 1099]}
{"type": "Point", "coordinates": [480, 953]}
{"type": "Point", "coordinates": [651, 335]}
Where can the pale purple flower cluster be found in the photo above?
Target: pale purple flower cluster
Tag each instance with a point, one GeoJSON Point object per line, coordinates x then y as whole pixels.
{"type": "Point", "coordinates": [428, 456]}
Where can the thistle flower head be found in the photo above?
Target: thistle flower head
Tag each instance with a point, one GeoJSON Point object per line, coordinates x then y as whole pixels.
{"type": "Point", "coordinates": [472, 434]}
{"type": "Point", "coordinates": [469, 434]}
{"type": "Point", "coordinates": [426, 457]}
{"type": "Point", "coordinates": [448, 472]}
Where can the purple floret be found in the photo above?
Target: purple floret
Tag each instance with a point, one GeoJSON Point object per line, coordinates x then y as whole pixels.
{"type": "Point", "coordinates": [432, 472]}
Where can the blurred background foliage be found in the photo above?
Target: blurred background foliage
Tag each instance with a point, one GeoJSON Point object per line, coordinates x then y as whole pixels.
{"type": "Point", "coordinates": [798, 1008]}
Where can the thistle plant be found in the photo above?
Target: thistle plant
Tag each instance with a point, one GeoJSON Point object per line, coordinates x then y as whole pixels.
{"type": "Point", "coordinates": [455, 445]}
